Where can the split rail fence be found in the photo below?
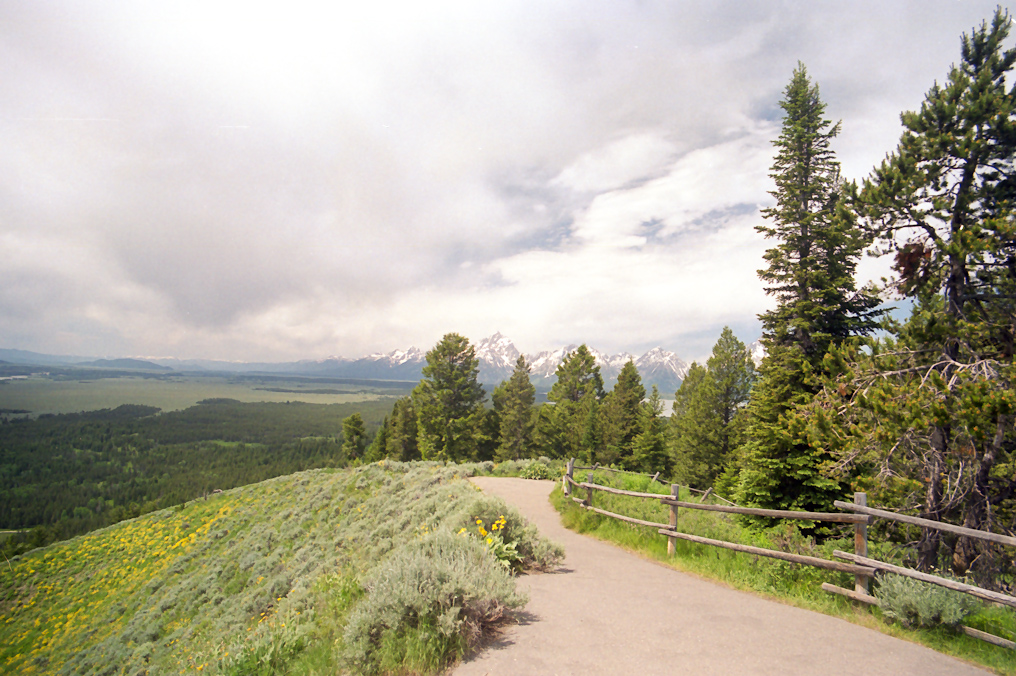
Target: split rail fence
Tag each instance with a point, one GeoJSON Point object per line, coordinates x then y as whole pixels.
{"type": "Point", "coordinates": [857, 563]}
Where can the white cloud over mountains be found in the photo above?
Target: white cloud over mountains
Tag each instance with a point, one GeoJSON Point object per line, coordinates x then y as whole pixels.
{"type": "Point", "coordinates": [247, 181]}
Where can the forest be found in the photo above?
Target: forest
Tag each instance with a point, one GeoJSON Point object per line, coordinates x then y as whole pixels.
{"type": "Point", "coordinates": [62, 475]}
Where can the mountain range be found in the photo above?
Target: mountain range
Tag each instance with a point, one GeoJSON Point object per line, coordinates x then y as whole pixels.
{"type": "Point", "coordinates": [496, 354]}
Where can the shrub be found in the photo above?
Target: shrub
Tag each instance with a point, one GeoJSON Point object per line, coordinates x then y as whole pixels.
{"type": "Point", "coordinates": [427, 604]}
{"type": "Point", "coordinates": [534, 550]}
{"type": "Point", "coordinates": [917, 604]}
{"type": "Point", "coordinates": [268, 654]}
{"type": "Point", "coordinates": [536, 470]}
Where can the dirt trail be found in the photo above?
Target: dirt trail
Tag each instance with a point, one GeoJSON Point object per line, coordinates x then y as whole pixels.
{"type": "Point", "coordinates": [606, 611]}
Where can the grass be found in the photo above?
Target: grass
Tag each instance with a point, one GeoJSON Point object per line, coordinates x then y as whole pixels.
{"type": "Point", "coordinates": [258, 579]}
{"type": "Point", "coordinates": [41, 394]}
{"type": "Point", "coordinates": [781, 581]}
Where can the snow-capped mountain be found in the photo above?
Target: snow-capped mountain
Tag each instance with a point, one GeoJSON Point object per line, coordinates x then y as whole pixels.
{"type": "Point", "coordinates": [396, 357]}
{"type": "Point", "coordinates": [757, 351]}
{"type": "Point", "coordinates": [662, 368]}
{"type": "Point", "coordinates": [497, 356]}
{"type": "Point", "coordinates": [394, 365]}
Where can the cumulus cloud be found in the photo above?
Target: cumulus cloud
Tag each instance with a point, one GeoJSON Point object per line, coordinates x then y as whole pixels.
{"type": "Point", "coordinates": [237, 180]}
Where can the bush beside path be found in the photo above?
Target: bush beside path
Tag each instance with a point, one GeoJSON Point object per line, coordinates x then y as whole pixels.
{"type": "Point", "coordinates": [607, 611]}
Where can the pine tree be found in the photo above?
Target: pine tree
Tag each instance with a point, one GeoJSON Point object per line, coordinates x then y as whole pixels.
{"type": "Point", "coordinates": [692, 427]}
{"type": "Point", "coordinates": [946, 383]}
{"type": "Point", "coordinates": [649, 447]}
{"type": "Point", "coordinates": [513, 401]}
{"type": "Point", "coordinates": [810, 273]}
{"type": "Point", "coordinates": [354, 436]}
{"type": "Point", "coordinates": [401, 437]}
{"type": "Point", "coordinates": [709, 411]}
{"type": "Point", "coordinates": [578, 389]}
{"type": "Point", "coordinates": [378, 448]}
{"type": "Point", "coordinates": [449, 401]}
{"type": "Point", "coordinates": [818, 242]}
{"type": "Point", "coordinates": [622, 410]}
{"type": "Point", "coordinates": [577, 375]}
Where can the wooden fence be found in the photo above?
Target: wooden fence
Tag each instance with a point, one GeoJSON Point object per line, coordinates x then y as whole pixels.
{"type": "Point", "coordinates": [857, 513]}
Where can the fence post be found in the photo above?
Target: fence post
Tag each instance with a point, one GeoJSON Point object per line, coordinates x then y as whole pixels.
{"type": "Point", "coordinates": [675, 491]}
{"type": "Point", "coordinates": [589, 491]}
{"type": "Point", "coordinates": [861, 582]}
{"type": "Point", "coordinates": [569, 475]}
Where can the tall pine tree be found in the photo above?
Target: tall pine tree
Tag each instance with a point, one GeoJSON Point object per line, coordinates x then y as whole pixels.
{"type": "Point", "coordinates": [354, 436]}
{"type": "Point", "coordinates": [621, 414]}
{"type": "Point", "coordinates": [449, 401]}
{"type": "Point", "coordinates": [513, 401]}
{"type": "Point", "coordinates": [577, 391]}
{"type": "Point", "coordinates": [709, 411]}
{"type": "Point", "coordinates": [811, 273]}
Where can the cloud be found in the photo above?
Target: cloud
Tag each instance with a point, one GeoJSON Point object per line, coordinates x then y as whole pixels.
{"type": "Point", "coordinates": [235, 180]}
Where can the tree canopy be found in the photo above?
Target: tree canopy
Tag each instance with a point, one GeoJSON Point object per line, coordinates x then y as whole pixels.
{"type": "Point", "coordinates": [811, 273]}
{"type": "Point", "coordinates": [931, 406]}
{"type": "Point", "coordinates": [449, 401]}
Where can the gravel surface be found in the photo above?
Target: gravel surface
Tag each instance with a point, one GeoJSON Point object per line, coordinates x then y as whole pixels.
{"type": "Point", "coordinates": [606, 611]}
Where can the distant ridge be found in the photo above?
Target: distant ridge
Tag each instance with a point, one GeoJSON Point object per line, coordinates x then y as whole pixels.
{"type": "Point", "coordinates": [497, 355]}
{"type": "Point", "coordinates": [129, 364]}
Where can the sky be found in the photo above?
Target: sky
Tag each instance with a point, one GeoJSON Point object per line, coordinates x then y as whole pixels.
{"type": "Point", "coordinates": [279, 181]}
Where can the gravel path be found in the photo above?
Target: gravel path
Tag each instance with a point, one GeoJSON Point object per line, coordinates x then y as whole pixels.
{"type": "Point", "coordinates": [606, 611]}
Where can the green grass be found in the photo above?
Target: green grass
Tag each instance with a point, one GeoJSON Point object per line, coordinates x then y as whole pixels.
{"type": "Point", "coordinates": [793, 584]}
{"type": "Point", "coordinates": [258, 579]}
{"type": "Point", "coordinates": [40, 394]}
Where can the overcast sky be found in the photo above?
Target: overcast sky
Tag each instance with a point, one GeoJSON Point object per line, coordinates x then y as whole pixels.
{"type": "Point", "coordinates": [276, 181]}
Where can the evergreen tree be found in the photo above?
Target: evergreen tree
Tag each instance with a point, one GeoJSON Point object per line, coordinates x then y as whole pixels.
{"type": "Point", "coordinates": [593, 448]}
{"type": "Point", "coordinates": [488, 436]}
{"type": "Point", "coordinates": [810, 272]}
{"type": "Point", "coordinates": [449, 401]}
{"type": "Point", "coordinates": [400, 442]}
{"type": "Point", "coordinates": [649, 448]}
{"type": "Point", "coordinates": [354, 436]}
{"type": "Point", "coordinates": [378, 448]}
{"type": "Point", "coordinates": [548, 438]}
{"type": "Point", "coordinates": [577, 375]}
{"type": "Point", "coordinates": [818, 242]}
{"type": "Point", "coordinates": [939, 397]}
{"type": "Point", "coordinates": [578, 389]}
{"type": "Point", "coordinates": [709, 411]}
{"type": "Point", "coordinates": [622, 409]}
{"type": "Point", "coordinates": [513, 401]}
{"type": "Point", "coordinates": [692, 426]}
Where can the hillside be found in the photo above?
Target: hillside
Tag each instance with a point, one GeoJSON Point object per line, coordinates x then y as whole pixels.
{"type": "Point", "coordinates": [67, 474]}
{"type": "Point", "coordinates": [267, 573]}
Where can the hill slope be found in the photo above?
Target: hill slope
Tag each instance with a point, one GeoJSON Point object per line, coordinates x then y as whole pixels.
{"type": "Point", "coordinates": [264, 572]}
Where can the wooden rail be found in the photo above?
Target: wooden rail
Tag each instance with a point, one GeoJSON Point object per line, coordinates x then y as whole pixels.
{"type": "Point", "coordinates": [928, 523]}
{"type": "Point", "coordinates": [772, 553]}
{"type": "Point", "coordinates": [980, 593]}
{"type": "Point", "coordinates": [859, 514]}
{"type": "Point", "coordinates": [618, 491]}
{"type": "Point", "coordinates": [838, 517]}
{"type": "Point", "coordinates": [652, 477]}
{"type": "Point", "coordinates": [640, 522]}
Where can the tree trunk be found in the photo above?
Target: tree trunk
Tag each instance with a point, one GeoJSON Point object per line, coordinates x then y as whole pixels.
{"type": "Point", "coordinates": [927, 547]}
{"type": "Point", "coordinates": [975, 513]}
